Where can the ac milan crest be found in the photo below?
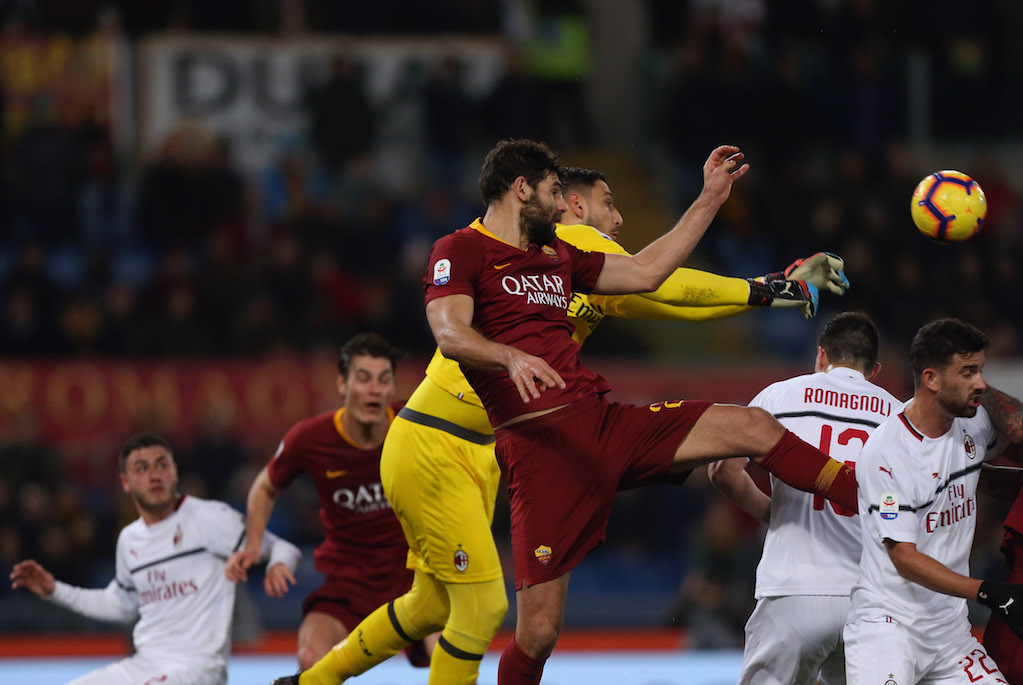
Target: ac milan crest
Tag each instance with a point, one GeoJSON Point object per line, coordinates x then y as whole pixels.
{"type": "Point", "coordinates": [461, 559]}
{"type": "Point", "coordinates": [971, 448]}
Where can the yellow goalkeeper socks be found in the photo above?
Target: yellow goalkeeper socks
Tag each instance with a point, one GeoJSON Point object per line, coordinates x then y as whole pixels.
{"type": "Point", "coordinates": [371, 642]}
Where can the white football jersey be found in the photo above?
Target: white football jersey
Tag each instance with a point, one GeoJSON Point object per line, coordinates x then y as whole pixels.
{"type": "Point", "coordinates": [920, 490]}
{"type": "Point", "coordinates": [170, 575]}
{"type": "Point", "coordinates": [813, 546]}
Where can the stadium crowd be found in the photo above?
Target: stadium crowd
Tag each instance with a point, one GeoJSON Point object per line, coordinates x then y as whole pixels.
{"type": "Point", "coordinates": [178, 253]}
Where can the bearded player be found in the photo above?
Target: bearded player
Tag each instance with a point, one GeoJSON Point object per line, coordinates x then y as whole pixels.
{"type": "Point", "coordinates": [440, 474]}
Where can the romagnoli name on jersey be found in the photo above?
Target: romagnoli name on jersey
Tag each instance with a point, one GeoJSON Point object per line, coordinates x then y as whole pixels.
{"type": "Point", "coordinates": [845, 400]}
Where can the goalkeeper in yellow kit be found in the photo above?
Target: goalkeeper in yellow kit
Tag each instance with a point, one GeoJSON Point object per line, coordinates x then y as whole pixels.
{"type": "Point", "coordinates": [441, 477]}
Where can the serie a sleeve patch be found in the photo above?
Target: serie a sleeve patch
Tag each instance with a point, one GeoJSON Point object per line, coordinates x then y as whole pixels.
{"type": "Point", "coordinates": [889, 507]}
{"type": "Point", "coordinates": [442, 271]}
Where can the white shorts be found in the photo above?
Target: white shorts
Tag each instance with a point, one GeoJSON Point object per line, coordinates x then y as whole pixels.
{"type": "Point", "coordinates": [149, 670]}
{"type": "Point", "coordinates": [882, 653]}
{"type": "Point", "coordinates": [795, 640]}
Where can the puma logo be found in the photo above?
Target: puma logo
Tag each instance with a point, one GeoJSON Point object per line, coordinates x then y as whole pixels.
{"type": "Point", "coordinates": [888, 471]}
{"type": "Point", "coordinates": [331, 473]}
{"type": "Point", "coordinates": [502, 266]}
{"type": "Point", "coordinates": [1005, 607]}
{"type": "Point", "coordinates": [787, 290]}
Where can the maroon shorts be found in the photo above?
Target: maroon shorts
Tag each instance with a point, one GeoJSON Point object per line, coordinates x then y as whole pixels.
{"type": "Point", "coordinates": [563, 469]}
{"type": "Point", "coordinates": [350, 601]}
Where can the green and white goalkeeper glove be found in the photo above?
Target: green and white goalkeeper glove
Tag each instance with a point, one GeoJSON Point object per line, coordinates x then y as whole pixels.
{"type": "Point", "coordinates": [825, 270]}
{"type": "Point", "coordinates": [800, 284]}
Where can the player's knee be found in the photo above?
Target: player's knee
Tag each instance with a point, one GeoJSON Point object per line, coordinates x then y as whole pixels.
{"type": "Point", "coordinates": [760, 429]}
{"type": "Point", "coordinates": [308, 655]}
{"type": "Point", "coordinates": [538, 637]}
{"type": "Point", "coordinates": [420, 614]}
{"type": "Point", "coordinates": [497, 608]}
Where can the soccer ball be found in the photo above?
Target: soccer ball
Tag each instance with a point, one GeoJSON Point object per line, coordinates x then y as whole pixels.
{"type": "Point", "coordinates": [948, 206]}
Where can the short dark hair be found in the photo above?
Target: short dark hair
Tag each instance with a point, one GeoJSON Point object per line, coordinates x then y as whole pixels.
{"type": "Point", "coordinates": [140, 440]}
{"type": "Point", "coordinates": [851, 339]}
{"type": "Point", "coordinates": [367, 345]}
{"type": "Point", "coordinates": [937, 342]}
{"type": "Point", "coordinates": [574, 178]}
{"type": "Point", "coordinates": [512, 158]}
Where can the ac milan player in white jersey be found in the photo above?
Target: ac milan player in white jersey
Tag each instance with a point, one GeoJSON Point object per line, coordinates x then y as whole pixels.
{"type": "Point", "coordinates": [812, 549]}
{"type": "Point", "coordinates": [917, 478]}
{"type": "Point", "coordinates": [169, 575]}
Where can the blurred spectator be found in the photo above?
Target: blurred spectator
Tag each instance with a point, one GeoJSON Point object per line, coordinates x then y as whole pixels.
{"type": "Point", "coordinates": [341, 118]}
{"type": "Point", "coordinates": [716, 596]}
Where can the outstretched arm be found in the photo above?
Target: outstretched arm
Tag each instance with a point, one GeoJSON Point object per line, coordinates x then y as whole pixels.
{"type": "Point", "coordinates": [112, 603]}
{"type": "Point", "coordinates": [648, 269]}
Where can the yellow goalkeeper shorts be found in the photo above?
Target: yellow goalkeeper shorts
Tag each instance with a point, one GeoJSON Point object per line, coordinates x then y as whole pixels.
{"type": "Point", "coordinates": [442, 487]}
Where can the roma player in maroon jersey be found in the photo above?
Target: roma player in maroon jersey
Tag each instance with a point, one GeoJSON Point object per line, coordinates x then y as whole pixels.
{"type": "Point", "coordinates": [363, 553]}
{"type": "Point", "coordinates": [496, 294]}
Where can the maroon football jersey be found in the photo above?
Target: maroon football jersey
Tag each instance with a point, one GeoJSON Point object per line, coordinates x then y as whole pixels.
{"type": "Point", "coordinates": [521, 298]}
{"type": "Point", "coordinates": [363, 537]}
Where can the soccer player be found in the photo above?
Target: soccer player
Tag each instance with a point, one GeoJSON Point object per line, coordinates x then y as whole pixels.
{"type": "Point", "coordinates": [917, 478]}
{"type": "Point", "coordinates": [440, 475]}
{"type": "Point", "coordinates": [363, 554]}
{"type": "Point", "coordinates": [169, 574]}
{"type": "Point", "coordinates": [812, 549]}
{"type": "Point", "coordinates": [496, 295]}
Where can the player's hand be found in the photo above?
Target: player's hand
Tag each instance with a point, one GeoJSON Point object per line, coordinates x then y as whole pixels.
{"type": "Point", "coordinates": [825, 270]}
{"type": "Point", "coordinates": [774, 290]}
{"type": "Point", "coordinates": [33, 577]}
{"type": "Point", "coordinates": [531, 375]}
{"type": "Point", "coordinates": [1005, 601]}
{"type": "Point", "coordinates": [278, 580]}
{"type": "Point", "coordinates": [721, 170]}
{"type": "Point", "coordinates": [239, 563]}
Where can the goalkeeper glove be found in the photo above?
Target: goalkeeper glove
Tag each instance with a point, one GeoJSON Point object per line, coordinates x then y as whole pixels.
{"type": "Point", "coordinates": [825, 270]}
{"type": "Point", "coordinates": [800, 284]}
{"type": "Point", "coordinates": [774, 290]}
{"type": "Point", "coordinates": [1006, 601]}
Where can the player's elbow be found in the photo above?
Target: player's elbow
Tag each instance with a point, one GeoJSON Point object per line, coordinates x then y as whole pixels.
{"type": "Point", "coordinates": [902, 555]}
{"type": "Point", "coordinates": [719, 473]}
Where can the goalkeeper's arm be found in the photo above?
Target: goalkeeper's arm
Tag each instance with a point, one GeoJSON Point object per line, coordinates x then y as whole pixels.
{"type": "Point", "coordinates": [797, 286]}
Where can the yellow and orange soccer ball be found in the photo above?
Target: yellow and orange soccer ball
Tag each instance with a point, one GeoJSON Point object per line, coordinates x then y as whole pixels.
{"type": "Point", "coordinates": [948, 206]}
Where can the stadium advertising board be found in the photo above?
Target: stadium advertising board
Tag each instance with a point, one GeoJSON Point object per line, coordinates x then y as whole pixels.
{"type": "Point", "coordinates": [251, 90]}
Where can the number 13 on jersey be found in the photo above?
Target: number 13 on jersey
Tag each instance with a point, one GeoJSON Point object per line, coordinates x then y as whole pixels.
{"type": "Point", "coordinates": [844, 438]}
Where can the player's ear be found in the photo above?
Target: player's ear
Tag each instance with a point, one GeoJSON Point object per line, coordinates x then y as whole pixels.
{"type": "Point", "coordinates": [124, 483]}
{"type": "Point", "coordinates": [875, 371]}
{"type": "Point", "coordinates": [576, 205]}
{"type": "Point", "coordinates": [341, 386]}
{"type": "Point", "coordinates": [521, 188]}
{"type": "Point", "coordinates": [931, 379]}
{"type": "Point", "coordinates": [821, 362]}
